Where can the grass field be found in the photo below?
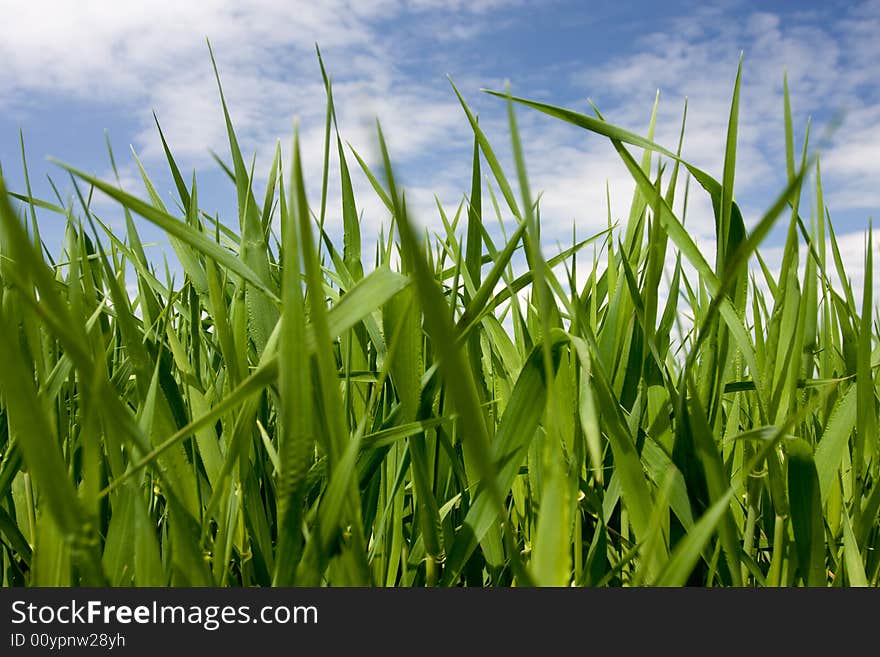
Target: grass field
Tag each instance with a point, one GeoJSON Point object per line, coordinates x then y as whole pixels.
{"type": "Point", "coordinates": [294, 410]}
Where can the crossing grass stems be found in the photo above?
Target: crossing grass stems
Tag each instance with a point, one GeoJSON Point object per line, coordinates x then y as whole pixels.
{"type": "Point", "coordinates": [293, 411]}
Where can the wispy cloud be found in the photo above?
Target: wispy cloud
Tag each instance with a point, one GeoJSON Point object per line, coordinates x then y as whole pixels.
{"type": "Point", "coordinates": [138, 56]}
{"type": "Point", "coordinates": [142, 55]}
{"type": "Point", "coordinates": [696, 57]}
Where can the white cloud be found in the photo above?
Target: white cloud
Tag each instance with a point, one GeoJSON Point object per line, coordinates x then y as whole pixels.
{"type": "Point", "coordinates": [697, 56]}
{"type": "Point", "coordinates": [141, 55]}
{"type": "Point", "coordinates": [138, 56]}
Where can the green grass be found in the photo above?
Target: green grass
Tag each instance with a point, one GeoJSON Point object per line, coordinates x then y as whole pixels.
{"type": "Point", "coordinates": [293, 411]}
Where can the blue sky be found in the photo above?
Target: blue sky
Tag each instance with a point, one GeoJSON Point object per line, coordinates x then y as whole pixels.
{"type": "Point", "coordinates": [73, 70]}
